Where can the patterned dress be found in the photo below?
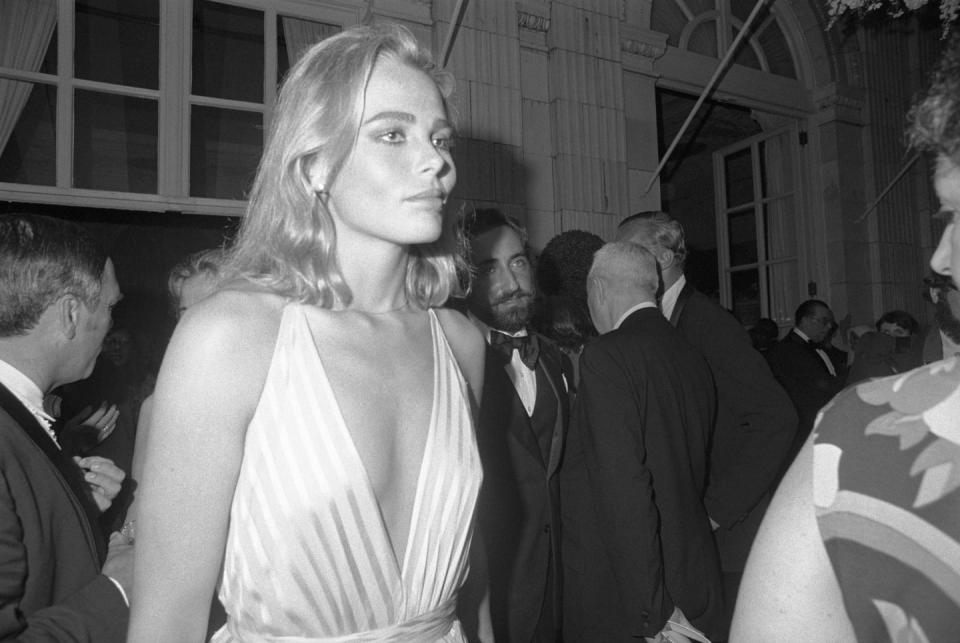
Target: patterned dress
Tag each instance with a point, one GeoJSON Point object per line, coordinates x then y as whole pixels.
{"type": "Point", "coordinates": [887, 492]}
{"type": "Point", "coordinates": [308, 557]}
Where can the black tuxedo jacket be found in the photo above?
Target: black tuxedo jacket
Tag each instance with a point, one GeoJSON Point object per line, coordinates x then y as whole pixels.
{"type": "Point", "coordinates": [806, 378]}
{"type": "Point", "coordinates": [636, 536]}
{"type": "Point", "coordinates": [518, 508]}
{"type": "Point", "coordinates": [755, 425]}
{"type": "Point", "coordinates": [51, 550]}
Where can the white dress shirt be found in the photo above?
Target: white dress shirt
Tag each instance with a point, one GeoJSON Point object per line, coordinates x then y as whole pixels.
{"type": "Point", "coordinates": [524, 379]}
{"type": "Point", "coordinates": [25, 390]}
{"type": "Point", "coordinates": [669, 300]}
{"type": "Point", "coordinates": [822, 353]}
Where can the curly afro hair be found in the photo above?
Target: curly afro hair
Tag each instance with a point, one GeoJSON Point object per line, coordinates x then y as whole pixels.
{"type": "Point", "coordinates": [564, 263]}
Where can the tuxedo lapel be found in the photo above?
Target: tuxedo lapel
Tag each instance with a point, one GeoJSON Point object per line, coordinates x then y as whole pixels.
{"type": "Point", "coordinates": [550, 370]}
{"type": "Point", "coordinates": [70, 474]}
{"type": "Point", "coordinates": [685, 293]}
{"type": "Point", "coordinates": [812, 349]}
{"type": "Point", "coordinates": [507, 403]}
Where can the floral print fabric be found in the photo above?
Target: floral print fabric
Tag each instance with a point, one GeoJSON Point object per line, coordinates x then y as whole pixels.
{"type": "Point", "coordinates": [886, 461]}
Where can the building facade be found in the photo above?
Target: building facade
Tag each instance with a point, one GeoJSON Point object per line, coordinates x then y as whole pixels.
{"type": "Point", "coordinates": [156, 110]}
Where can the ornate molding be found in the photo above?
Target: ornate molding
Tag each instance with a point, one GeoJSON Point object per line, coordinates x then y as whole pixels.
{"type": "Point", "coordinates": [533, 16]}
{"type": "Point", "coordinates": [641, 42]}
{"type": "Point", "coordinates": [641, 48]}
{"type": "Point", "coordinates": [840, 102]}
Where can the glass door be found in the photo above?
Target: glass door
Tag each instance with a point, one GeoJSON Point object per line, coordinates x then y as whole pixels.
{"type": "Point", "coordinates": [757, 201]}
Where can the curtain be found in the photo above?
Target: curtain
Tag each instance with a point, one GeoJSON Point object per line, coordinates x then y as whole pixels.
{"type": "Point", "coordinates": [302, 34]}
{"type": "Point", "coordinates": [26, 27]}
{"type": "Point", "coordinates": [781, 227]}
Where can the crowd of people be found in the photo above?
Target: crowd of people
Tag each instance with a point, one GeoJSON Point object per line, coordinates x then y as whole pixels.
{"type": "Point", "coordinates": [344, 443]}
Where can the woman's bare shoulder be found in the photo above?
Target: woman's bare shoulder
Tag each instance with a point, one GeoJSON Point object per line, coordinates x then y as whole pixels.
{"type": "Point", "coordinates": [467, 344]}
{"type": "Point", "coordinates": [233, 332]}
{"type": "Point", "coordinates": [461, 333]}
{"type": "Point", "coordinates": [235, 310]}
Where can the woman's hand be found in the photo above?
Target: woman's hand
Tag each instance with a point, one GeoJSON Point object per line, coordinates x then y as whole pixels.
{"type": "Point", "coordinates": [104, 477]}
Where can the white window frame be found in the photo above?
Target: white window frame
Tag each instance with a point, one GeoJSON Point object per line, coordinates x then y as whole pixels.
{"type": "Point", "coordinates": [756, 204]}
{"type": "Point", "coordinates": [174, 103]}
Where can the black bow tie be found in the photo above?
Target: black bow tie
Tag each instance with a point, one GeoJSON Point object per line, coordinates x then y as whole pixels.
{"type": "Point", "coordinates": [527, 345]}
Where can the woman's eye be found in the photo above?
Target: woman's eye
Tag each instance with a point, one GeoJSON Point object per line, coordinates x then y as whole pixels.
{"type": "Point", "coordinates": [444, 142]}
{"type": "Point", "coordinates": [392, 136]}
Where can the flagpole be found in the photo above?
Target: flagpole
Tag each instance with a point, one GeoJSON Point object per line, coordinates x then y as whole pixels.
{"type": "Point", "coordinates": [706, 90]}
{"type": "Point", "coordinates": [451, 33]}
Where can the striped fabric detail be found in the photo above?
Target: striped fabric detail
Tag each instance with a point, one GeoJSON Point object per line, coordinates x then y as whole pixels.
{"type": "Point", "coordinates": [308, 557]}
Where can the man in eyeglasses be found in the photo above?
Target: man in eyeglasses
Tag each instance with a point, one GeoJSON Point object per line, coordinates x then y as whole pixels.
{"type": "Point", "coordinates": [807, 372]}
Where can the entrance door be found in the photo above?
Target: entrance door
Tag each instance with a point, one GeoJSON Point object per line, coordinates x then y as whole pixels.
{"type": "Point", "coordinates": [756, 187]}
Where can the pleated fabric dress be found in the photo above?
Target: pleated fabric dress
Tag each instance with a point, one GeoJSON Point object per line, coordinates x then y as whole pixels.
{"type": "Point", "coordinates": [308, 556]}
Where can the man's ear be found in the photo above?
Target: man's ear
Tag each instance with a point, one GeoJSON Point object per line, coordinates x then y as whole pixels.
{"type": "Point", "coordinates": [666, 258]}
{"type": "Point", "coordinates": [598, 288]}
{"type": "Point", "coordinates": [68, 315]}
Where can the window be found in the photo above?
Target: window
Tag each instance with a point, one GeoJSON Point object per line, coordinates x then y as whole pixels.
{"type": "Point", "coordinates": [145, 104]}
{"type": "Point", "coordinates": [757, 206]}
{"type": "Point", "coordinates": [708, 27]}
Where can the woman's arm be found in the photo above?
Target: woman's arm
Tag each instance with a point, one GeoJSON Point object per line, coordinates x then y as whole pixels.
{"type": "Point", "coordinates": [469, 348]}
{"type": "Point", "coordinates": [789, 591]}
{"type": "Point", "coordinates": [136, 464]}
{"type": "Point", "coordinates": [209, 383]}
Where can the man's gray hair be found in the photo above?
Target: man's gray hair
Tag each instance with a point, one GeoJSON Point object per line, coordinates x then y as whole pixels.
{"type": "Point", "coordinates": [626, 267]}
{"type": "Point", "coordinates": [41, 260]}
{"type": "Point", "coordinates": [658, 228]}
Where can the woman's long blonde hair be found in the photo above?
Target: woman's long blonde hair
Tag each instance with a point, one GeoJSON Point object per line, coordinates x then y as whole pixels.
{"type": "Point", "coordinates": [287, 239]}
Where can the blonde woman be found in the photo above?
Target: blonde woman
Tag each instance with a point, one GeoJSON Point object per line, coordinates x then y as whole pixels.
{"type": "Point", "coordinates": [312, 433]}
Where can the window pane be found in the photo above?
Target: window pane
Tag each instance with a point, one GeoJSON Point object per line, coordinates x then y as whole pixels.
{"type": "Point", "coordinates": [115, 143]}
{"type": "Point", "coordinates": [27, 29]}
{"type": "Point", "coordinates": [118, 41]}
{"type": "Point", "coordinates": [27, 133]}
{"type": "Point", "coordinates": [742, 231]}
{"type": "Point", "coordinates": [295, 36]}
{"type": "Point", "coordinates": [738, 171]}
{"type": "Point", "coordinates": [225, 146]}
{"type": "Point", "coordinates": [227, 52]}
{"type": "Point", "coordinates": [745, 289]}
{"type": "Point", "coordinates": [745, 55]}
{"type": "Point", "coordinates": [703, 39]}
{"type": "Point", "coordinates": [777, 51]}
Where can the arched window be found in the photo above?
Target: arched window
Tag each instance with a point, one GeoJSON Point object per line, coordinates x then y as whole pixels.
{"type": "Point", "coordinates": [707, 27]}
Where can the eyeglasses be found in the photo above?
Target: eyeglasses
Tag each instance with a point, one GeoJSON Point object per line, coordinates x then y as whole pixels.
{"type": "Point", "coordinates": [826, 322]}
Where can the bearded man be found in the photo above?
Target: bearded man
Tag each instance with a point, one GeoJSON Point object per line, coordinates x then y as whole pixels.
{"type": "Point", "coordinates": [522, 425]}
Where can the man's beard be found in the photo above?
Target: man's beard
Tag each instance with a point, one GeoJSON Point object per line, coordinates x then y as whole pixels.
{"type": "Point", "coordinates": [515, 317]}
{"type": "Point", "coordinates": [946, 320]}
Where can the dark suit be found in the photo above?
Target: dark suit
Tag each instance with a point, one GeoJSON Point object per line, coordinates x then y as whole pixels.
{"type": "Point", "coordinates": [637, 538]}
{"type": "Point", "coordinates": [755, 426]}
{"type": "Point", "coordinates": [518, 508]}
{"type": "Point", "coordinates": [805, 376]}
{"type": "Point", "coordinates": [51, 550]}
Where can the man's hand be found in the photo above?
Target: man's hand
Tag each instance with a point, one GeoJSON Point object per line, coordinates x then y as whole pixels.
{"type": "Point", "coordinates": [104, 478]}
{"type": "Point", "coordinates": [119, 563]}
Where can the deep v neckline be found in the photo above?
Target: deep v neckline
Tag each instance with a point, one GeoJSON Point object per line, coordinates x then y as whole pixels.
{"type": "Point", "coordinates": [400, 562]}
